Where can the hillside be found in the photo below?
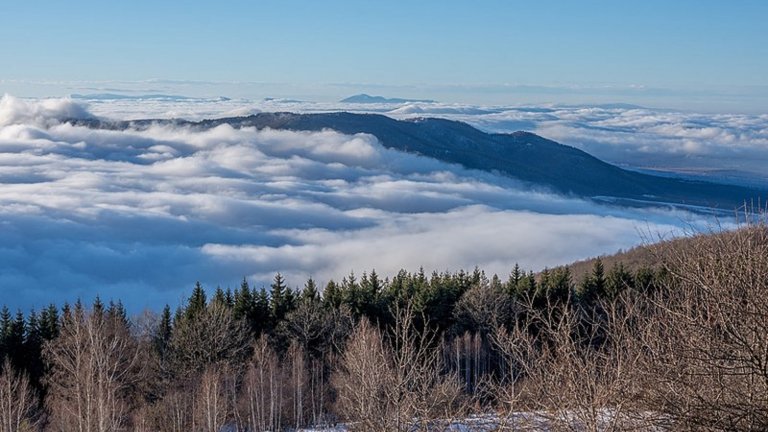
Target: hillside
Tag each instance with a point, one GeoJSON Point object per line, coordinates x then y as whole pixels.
{"type": "Point", "coordinates": [521, 155]}
{"type": "Point", "coordinates": [659, 251]}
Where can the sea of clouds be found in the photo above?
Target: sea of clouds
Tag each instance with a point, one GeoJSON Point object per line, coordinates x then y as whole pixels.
{"type": "Point", "coordinates": [721, 147]}
{"type": "Point", "coordinates": [141, 215]}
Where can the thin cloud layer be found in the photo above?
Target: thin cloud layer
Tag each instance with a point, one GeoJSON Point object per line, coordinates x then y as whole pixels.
{"type": "Point", "coordinates": [141, 215]}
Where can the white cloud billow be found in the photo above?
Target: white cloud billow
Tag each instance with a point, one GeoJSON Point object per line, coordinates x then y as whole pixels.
{"type": "Point", "coordinates": [140, 215]}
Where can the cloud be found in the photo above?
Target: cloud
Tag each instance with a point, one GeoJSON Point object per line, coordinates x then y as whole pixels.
{"type": "Point", "coordinates": [142, 214]}
{"type": "Point", "coordinates": [730, 147]}
{"type": "Point", "coordinates": [15, 111]}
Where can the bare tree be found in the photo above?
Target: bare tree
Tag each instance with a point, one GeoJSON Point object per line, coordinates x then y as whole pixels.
{"type": "Point", "coordinates": [18, 401]}
{"type": "Point", "coordinates": [262, 389]}
{"type": "Point", "coordinates": [174, 412]}
{"type": "Point", "coordinates": [710, 333]}
{"type": "Point", "coordinates": [395, 382]}
{"type": "Point", "coordinates": [575, 371]}
{"type": "Point", "coordinates": [362, 380]}
{"type": "Point", "coordinates": [93, 364]}
{"type": "Point", "coordinates": [213, 336]}
{"type": "Point", "coordinates": [212, 401]}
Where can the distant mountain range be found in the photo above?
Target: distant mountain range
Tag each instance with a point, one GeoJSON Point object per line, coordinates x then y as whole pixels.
{"type": "Point", "coordinates": [521, 155]}
{"type": "Point", "coordinates": [367, 99]}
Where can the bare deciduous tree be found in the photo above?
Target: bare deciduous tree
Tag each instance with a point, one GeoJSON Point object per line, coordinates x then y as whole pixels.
{"type": "Point", "coordinates": [18, 401]}
{"type": "Point", "coordinates": [395, 382]}
{"type": "Point", "coordinates": [562, 367]}
{"type": "Point", "coordinates": [212, 337]}
{"type": "Point", "coordinates": [262, 389]}
{"type": "Point", "coordinates": [710, 333]}
{"type": "Point", "coordinates": [93, 364]}
{"type": "Point", "coordinates": [212, 402]}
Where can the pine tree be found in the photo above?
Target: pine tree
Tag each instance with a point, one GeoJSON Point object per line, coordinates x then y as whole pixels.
{"type": "Point", "coordinates": [496, 284]}
{"type": "Point", "coordinates": [477, 276]}
{"type": "Point", "coordinates": [561, 285]}
{"type": "Point", "coordinates": [219, 297]}
{"type": "Point", "coordinates": [598, 276]}
{"type": "Point", "coordinates": [593, 286]}
{"type": "Point", "coordinates": [33, 338]}
{"type": "Point", "coordinates": [244, 303]}
{"type": "Point", "coordinates": [373, 292]}
{"type": "Point", "coordinates": [229, 299]}
{"type": "Point", "coordinates": [179, 315]}
{"type": "Point", "coordinates": [262, 314]}
{"type": "Point", "coordinates": [197, 302]}
{"type": "Point", "coordinates": [78, 311]}
{"type": "Point", "coordinates": [66, 315]}
{"type": "Point", "coordinates": [618, 280]}
{"type": "Point", "coordinates": [644, 279]}
{"type": "Point", "coordinates": [117, 315]}
{"type": "Point", "coordinates": [290, 299]}
{"type": "Point", "coordinates": [514, 280]}
{"type": "Point", "coordinates": [33, 343]}
{"type": "Point", "coordinates": [14, 340]}
{"type": "Point", "coordinates": [6, 322]}
{"type": "Point", "coordinates": [332, 295]}
{"type": "Point", "coordinates": [278, 306]}
{"type": "Point", "coordinates": [527, 286]}
{"type": "Point", "coordinates": [49, 323]}
{"type": "Point", "coordinates": [98, 307]}
{"type": "Point", "coordinates": [309, 294]}
{"type": "Point", "coordinates": [164, 330]}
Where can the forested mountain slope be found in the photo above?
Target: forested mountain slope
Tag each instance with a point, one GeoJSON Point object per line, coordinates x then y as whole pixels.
{"type": "Point", "coordinates": [521, 155]}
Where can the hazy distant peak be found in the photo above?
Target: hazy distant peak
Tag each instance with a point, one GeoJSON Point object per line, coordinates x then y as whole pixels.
{"type": "Point", "coordinates": [365, 98]}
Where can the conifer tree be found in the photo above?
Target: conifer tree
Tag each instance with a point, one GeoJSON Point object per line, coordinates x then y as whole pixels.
{"type": "Point", "coordinates": [98, 307]}
{"type": "Point", "coordinates": [560, 285]}
{"type": "Point", "coordinates": [5, 329]}
{"type": "Point", "coordinates": [229, 297]}
{"type": "Point", "coordinates": [14, 340]}
{"type": "Point", "coordinates": [290, 298]}
{"type": "Point", "coordinates": [220, 297]}
{"type": "Point", "coordinates": [332, 295]}
{"type": "Point", "coordinates": [262, 314]}
{"type": "Point", "coordinates": [618, 280]}
{"type": "Point", "coordinates": [244, 303]}
{"type": "Point", "coordinates": [197, 302]}
{"type": "Point", "coordinates": [66, 314]}
{"type": "Point", "coordinates": [593, 286]}
{"type": "Point", "coordinates": [49, 322]}
{"type": "Point", "coordinates": [309, 293]}
{"type": "Point", "coordinates": [164, 330]}
{"type": "Point", "coordinates": [33, 342]}
{"type": "Point", "coordinates": [495, 283]}
{"type": "Point", "coordinates": [527, 286]}
{"type": "Point", "coordinates": [117, 315]}
{"type": "Point", "coordinates": [278, 307]}
{"type": "Point", "coordinates": [514, 280]}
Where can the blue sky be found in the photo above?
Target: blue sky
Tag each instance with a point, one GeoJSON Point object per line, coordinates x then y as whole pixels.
{"type": "Point", "coordinates": [700, 52]}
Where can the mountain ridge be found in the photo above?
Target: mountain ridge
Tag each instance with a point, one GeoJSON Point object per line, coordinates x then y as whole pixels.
{"type": "Point", "coordinates": [364, 98]}
{"type": "Point", "coordinates": [521, 155]}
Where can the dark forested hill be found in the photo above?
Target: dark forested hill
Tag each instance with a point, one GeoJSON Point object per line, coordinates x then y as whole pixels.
{"type": "Point", "coordinates": [521, 155]}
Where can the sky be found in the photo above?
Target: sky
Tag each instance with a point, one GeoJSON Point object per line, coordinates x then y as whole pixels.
{"type": "Point", "coordinates": [707, 55]}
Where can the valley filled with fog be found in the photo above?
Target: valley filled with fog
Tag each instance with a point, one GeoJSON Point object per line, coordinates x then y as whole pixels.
{"type": "Point", "coordinates": [142, 214]}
